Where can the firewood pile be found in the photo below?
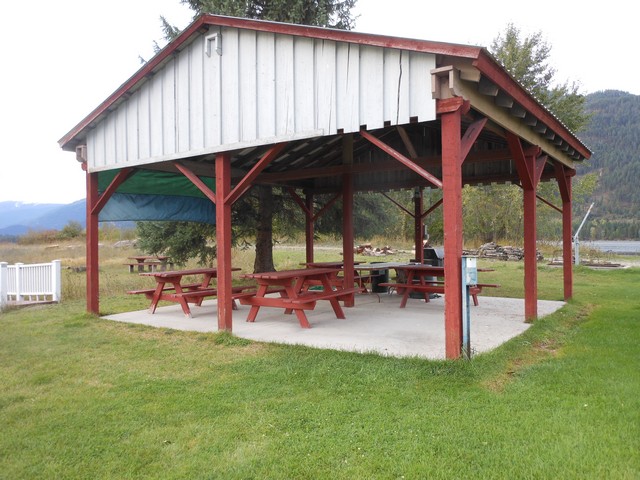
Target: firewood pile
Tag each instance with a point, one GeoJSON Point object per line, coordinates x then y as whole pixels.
{"type": "Point", "coordinates": [368, 250]}
{"type": "Point", "coordinates": [493, 250]}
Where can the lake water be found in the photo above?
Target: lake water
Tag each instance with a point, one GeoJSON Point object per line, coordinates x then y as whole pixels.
{"type": "Point", "coordinates": [621, 247]}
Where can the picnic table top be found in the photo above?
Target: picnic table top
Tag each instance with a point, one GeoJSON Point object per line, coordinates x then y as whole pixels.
{"type": "Point", "coordinates": [142, 258]}
{"type": "Point", "coordinates": [334, 264]}
{"type": "Point", "coordinates": [296, 273]}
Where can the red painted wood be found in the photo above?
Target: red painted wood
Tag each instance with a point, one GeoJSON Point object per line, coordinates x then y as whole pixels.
{"type": "Point", "coordinates": [529, 167]}
{"type": "Point", "coordinates": [347, 235]}
{"type": "Point", "coordinates": [452, 105]}
{"type": "Point", "coordinates": [432, 208]}
{"type": "Point", "coordinates": [295, 297]}
{"type": "Point", "coordinates": [539, 163]}
{"type": "Point", "coordinates": [425, 162]}
{"type": "Point", "coordinates": [530, 259]}
{"type": "Point", "coordinates": [223, 240]}
{"type": "Point", "coordinates": [247, 182]}
{"type": "Point", "coordinates": [200, 185]}
{"type": "Point", "coordinates": [524, 172]}
{"type": "Point", "coordinates": [401, 158]}
{"type": "Point", "coordinates": [563, 176]}
{"type": "Point", "coordinates": [327, 206]}
{"type": "Point", "coordinates": [397, 204]}
{"type": "Point", "coordinates": [120, 177]}
{"type": "Point", "coordinates": [301, 203]}
{"type": "Point", "coordinates": [567, 257]}
{"type": "Point", "coordinates": [418, 226]}
{"type": "Point", "coordinates": [547, 202]}
{"type": "Point", "coordinates": [309, 227]}
{"type": "Point", "coordinates": [452, 213]}
{"type": "Point", "coordinates": [498, 75]}
{"type": "Point", "coordinates": [93, 278]}
{"type": "Point", "coordinates": [471, 135]}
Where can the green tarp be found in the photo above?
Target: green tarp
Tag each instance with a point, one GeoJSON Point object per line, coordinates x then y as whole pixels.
{"type": "Point", "coordinates": [156, 196]}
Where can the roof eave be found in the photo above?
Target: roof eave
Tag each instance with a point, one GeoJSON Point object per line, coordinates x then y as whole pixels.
{"type": "Point", "coordinates": [68, 141]}
{"type": "Point", "coordinates": [489, 67]}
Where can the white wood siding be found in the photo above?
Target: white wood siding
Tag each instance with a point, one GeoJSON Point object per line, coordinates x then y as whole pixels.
{"type": "Point", "coordinates": [265, 87]}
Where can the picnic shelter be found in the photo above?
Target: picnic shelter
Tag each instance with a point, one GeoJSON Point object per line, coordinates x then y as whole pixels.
{"type": "Point", "coordinates": [232, 103]}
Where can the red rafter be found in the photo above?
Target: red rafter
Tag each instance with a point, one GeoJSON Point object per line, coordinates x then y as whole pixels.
{"type": "Point", "coordinates": [401, 158]}
{"type": "Point", "coordinates": [432, 208]}
{"type": "Point", "coordinates": [120, 177]}
{"type": "Point", "coordinates": [398, 205]}
{"type": "Point", "coordinates": [196, 181]}
{"type": "Point", "coordinates": [247, 181]}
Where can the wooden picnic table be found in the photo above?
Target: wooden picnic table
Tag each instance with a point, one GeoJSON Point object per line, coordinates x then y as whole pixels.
{"type": "Point", "coordinates": [425, 279]}
{"type": "Point", "coordinates": [358, 278]}
{"type": "Point", "coordinates": [152, 262]}
{"type": "Point", "coordinates": [294, 293]}
{"type": "Point", "coordinates": [169, 287]}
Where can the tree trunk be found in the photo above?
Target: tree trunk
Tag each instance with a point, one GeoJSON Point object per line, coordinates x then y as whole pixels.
{"type": "Point", "coordinates": [264, 234]}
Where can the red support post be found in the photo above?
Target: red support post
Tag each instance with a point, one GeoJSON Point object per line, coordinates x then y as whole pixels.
{"type": "Point", "coordinates": [567, 238]}
{"type": "Point", "coordinates": [223, 240]}
{"type": "Point", "coordinates": [450, 119]}
{"type": "Point", "coordinates": [529, 166]}
{"type": "Point", "coordinates": [347, 235]}
{"type": "Point", "coordinates": [563, 176]}
{"type": "Point", "coordinates": [347, 219]}
{"type": "Point", "coordinates": [418, 224]}
{"type": "Point", "coordinates": [530, 255]}
{"type": "Point", "coordinates": [93, 278]}
{"type": "Point", "coordinates": [309, 227]}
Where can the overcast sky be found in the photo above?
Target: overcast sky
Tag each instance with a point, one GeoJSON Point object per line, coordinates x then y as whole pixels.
{"type": "Point", "coordinates": [62, 58]}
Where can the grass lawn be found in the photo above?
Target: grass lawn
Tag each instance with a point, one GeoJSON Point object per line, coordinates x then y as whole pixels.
{"type": "Point", "coordinates": [87, 398]}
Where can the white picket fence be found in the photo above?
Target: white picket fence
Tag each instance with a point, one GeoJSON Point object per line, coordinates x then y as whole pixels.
{"type": "Point", "coordinates": [35, 283]}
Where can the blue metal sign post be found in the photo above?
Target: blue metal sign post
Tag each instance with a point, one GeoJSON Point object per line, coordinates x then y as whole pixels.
{"type": "Point", "coordinates": [469, 277]}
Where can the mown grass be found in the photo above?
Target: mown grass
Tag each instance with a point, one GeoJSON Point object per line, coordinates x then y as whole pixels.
{"type": "Point", "coordinates": [87, 398]}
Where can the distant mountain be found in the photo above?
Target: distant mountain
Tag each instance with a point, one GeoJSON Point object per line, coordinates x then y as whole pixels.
{"type": "Point", "coordinates": [17, 218]}
{"type": "Point", "coordinates": [20, 213]}
{"type": "Point", "coordinates": [613, 135]}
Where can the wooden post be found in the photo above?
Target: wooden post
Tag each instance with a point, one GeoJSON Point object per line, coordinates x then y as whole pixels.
{"type": "Point", "coordinates": [347, 218]}
{"type": "Point", "coordinates": [309, 227]}
{"type": "Point", "coordinates": [529, 165]}
{"type": "Point", "coordinates": [450, 111]}
{"type": "Point", "coordinates": [563, 176]}
{"type": "Point", "coordinates": [223, 241]}
{"type": "Point", "coordinates": [4, 284]}
{"type": "Point", "coordinates": [567, 257]}
{"type": "Point", "coordinates": [418, 224]}
{"type": "Point", "coordinates": [530, 255]}
{"type": "Point", "coordinates": [93, 278]}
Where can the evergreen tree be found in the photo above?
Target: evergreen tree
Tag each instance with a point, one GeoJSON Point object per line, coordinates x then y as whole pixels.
{"type": "Point", "coordinates": [261, 203]}
{"type": "Point", "coordinates": [527, 59]}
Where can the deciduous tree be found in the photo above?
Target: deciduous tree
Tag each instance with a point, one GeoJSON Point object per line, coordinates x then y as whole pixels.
{"type": "Point", "coordinates": [528, 60]}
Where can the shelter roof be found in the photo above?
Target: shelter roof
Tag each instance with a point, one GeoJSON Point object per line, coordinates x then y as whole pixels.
{"type": "Point", "coordinates": [314, 160]}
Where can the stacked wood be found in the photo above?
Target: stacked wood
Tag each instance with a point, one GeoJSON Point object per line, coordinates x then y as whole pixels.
{"type": "Point", "coordinates": [368, 250]}
{"type": "Point", "coordinates": [508, 252]}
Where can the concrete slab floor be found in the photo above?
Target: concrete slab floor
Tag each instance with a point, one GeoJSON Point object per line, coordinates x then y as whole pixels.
{"type": "Point", "coordinates": [376, 324]}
